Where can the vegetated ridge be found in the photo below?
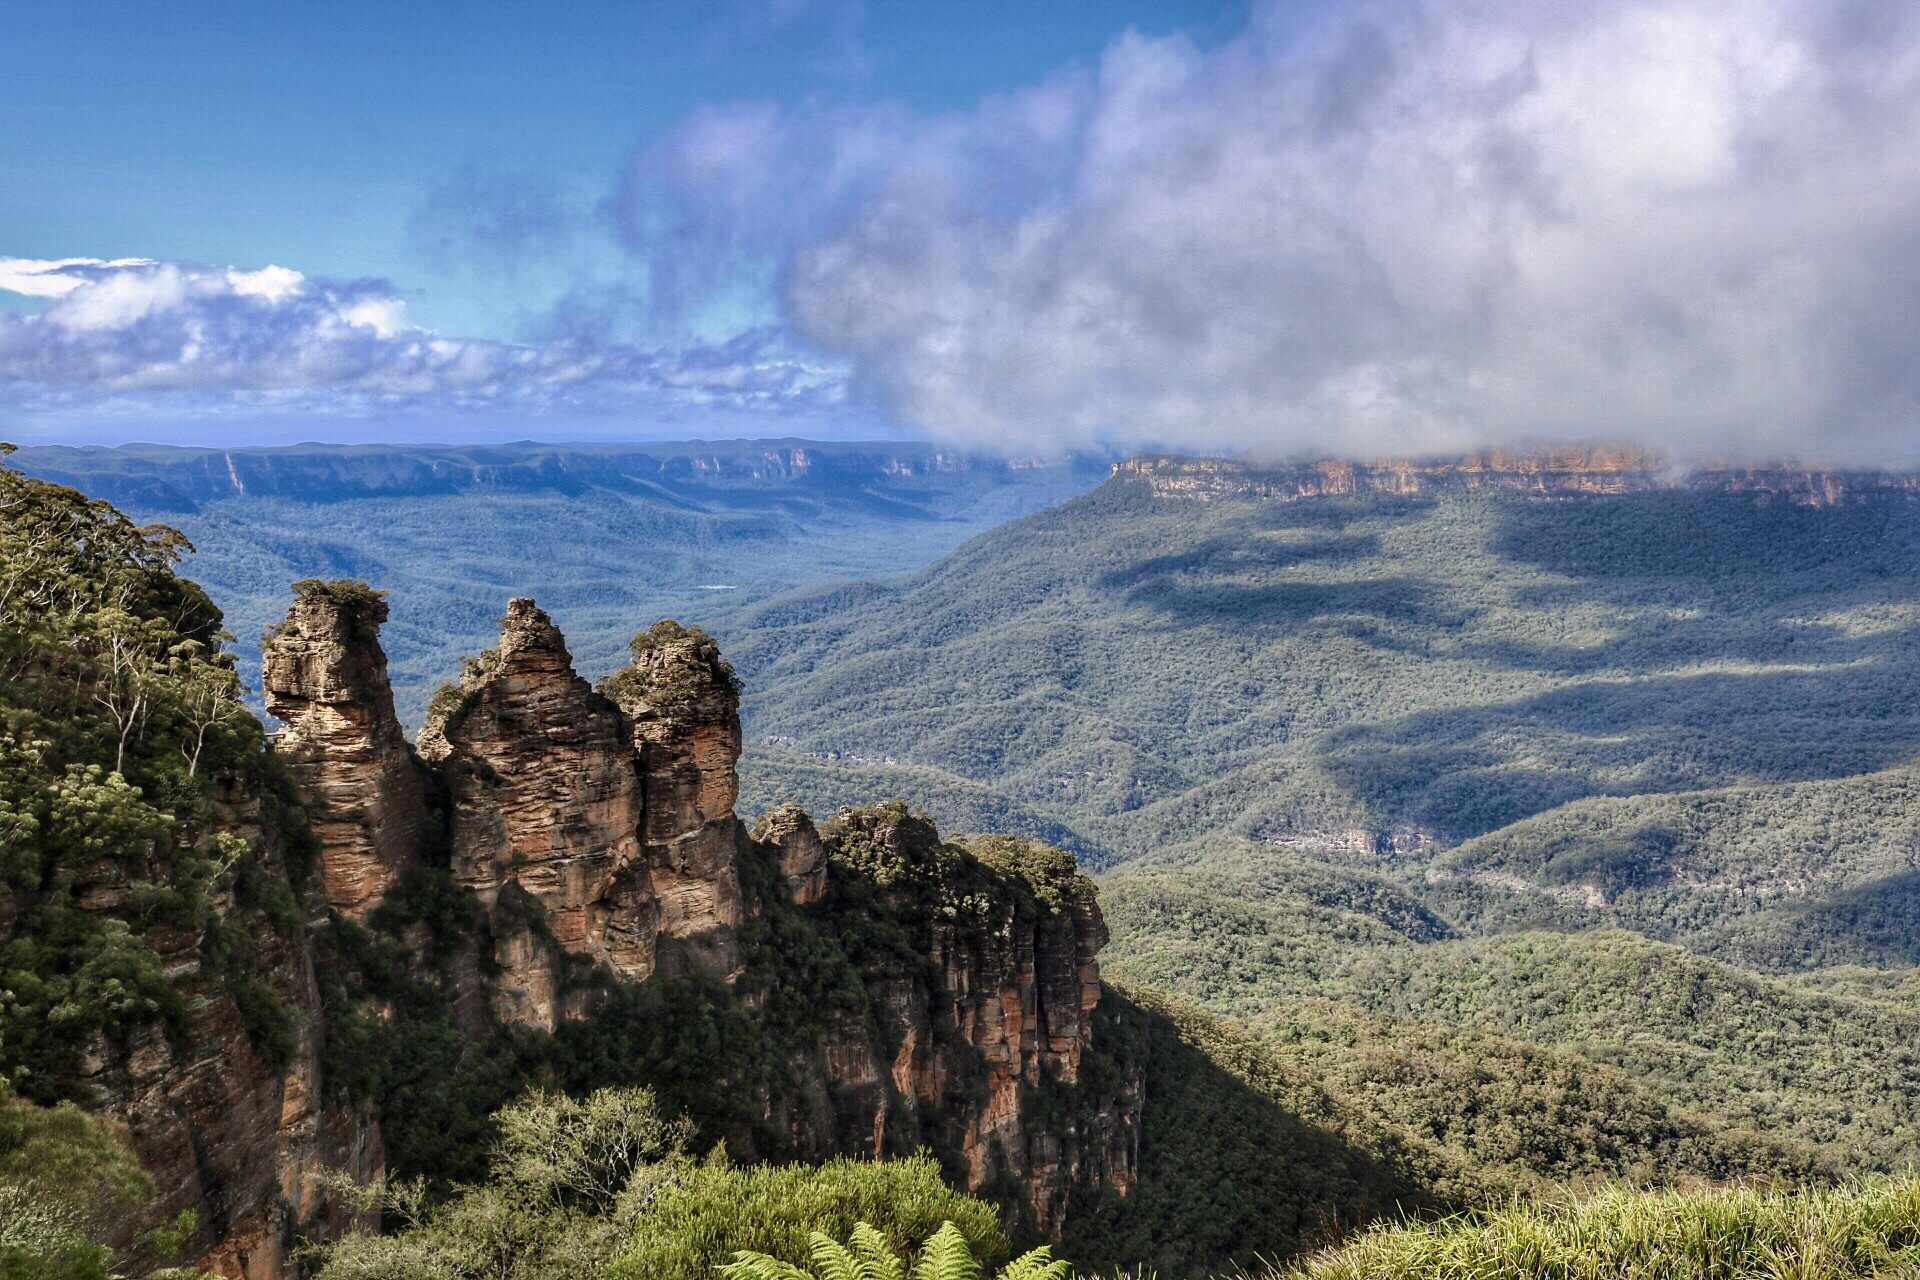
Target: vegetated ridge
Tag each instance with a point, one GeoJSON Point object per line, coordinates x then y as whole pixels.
{"type": "Point", "coordinates": [1575, 751]}
{"type": "Point", "coordinates": [363, 952]}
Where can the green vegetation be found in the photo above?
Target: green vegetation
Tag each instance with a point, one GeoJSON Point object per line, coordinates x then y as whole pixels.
{"type": "Point", "coordinates": [607, 1186]}
{"type": "Point", "coordinates": [1868, 1229]}
{"type": "Point", "coordinates": [947, 1254]}
{"type": "Point", "coordinates": [1345, 671]}
{"type": "Point", "coordinates": [122, 734]}
{"type": "Point", "coordinates": [721, 1210]}
{"type": "Point", "coordinates": [1499, 851]}
{"type": "Point", "coordinates": [66, 1181]}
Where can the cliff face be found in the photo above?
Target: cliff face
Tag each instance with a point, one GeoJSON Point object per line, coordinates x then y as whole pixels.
{"type": "Point", "coordinates": [325, 677]}
{"type": "Point", "coordinates": [965, 1054]}
{"type": "Point", "coordinates": [597, 833]}
{"type": "Point", "coordinates": [1557, 471]}
{"type": "Point", "coordinates": [226, 1132]}
{"type": "Point", "coordinates": [546, 812]}
{"type": "Point", "coordinates": [684, 709]}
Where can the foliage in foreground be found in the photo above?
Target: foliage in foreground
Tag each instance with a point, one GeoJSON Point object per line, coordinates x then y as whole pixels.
{"type": "Point", "coordinates": [867, 1255]}
{"type": "Point", "coordinates": [1870, 1228]}
{"type": "Point", "coordinates": [605, 1186]}
{"type": "Point", "coordinates": [66, 1178]}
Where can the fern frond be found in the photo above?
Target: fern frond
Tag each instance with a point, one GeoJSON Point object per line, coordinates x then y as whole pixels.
{"type": "Point", "coordinates": [1037, 1264]}
{"type": "Point", "coordinates": [748, 1265]}
{"type": "Point", "coordinates": [878, 1261]}
{"type": "Point", "coordinates": [833, 1261]}
{"type": "Point", "coordinates": [946, 1256]}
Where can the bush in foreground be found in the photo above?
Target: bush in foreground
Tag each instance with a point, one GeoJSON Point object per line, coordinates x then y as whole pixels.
{"type": "Point", "coordinates": [1869, 1228]}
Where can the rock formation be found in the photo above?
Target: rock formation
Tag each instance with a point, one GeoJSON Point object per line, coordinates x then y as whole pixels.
{"type": "Point", "coordinates": [1556, 471]}
{"type": "Point", "coordinates": [684, 707]}
{"type": "Point", "coordinates": [789, 835]}
{"type": "Point", "coordinates": [546, 812]}
{"type": "Point", "coordinates": [325, 677]}
{"type": "Point", "coordinates": [226, 1132]}
{"type": "Point", "coordinates": [597, 833]}
{"type": "Point", "coordinates": [1001, 1017]}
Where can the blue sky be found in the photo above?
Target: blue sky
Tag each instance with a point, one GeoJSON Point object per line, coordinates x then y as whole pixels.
{"type": "Point", "coordinates": [1380, 225]}
{"type": "Point", "coordinates": [318, 136]}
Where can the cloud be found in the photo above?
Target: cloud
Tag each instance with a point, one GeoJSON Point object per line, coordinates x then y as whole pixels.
{"type": "Point", "coordinates": [57, 277]}
{"type": "Point", "coordinates": [1424, 225]}
{"type": "Point", "coordinates": [141, 336]}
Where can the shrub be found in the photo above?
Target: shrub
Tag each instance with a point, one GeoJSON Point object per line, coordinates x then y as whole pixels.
{"type": "Point", "coordinates": [1869, 1228]}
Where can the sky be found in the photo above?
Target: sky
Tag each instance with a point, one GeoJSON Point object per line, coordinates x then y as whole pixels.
{"type": "Point", "coordinates": [1298, 228]}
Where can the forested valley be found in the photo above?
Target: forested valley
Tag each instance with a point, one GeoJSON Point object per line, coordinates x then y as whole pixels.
{"type": "Point", "coordinates": [1472, 870]}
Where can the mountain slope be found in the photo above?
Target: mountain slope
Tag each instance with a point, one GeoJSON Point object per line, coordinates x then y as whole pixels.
{"type": "Point", "coordinates": [1371, 676]}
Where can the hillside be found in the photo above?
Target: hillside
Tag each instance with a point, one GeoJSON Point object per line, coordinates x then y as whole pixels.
{"type": "Point", "coordinates": [343, 950]}
{"type": "Point", "coordinates": [603, 533]}
{"type": "Point", "coordinates": [1387, 679]}
{"type": "Point", "coordinates": [1588, 757]}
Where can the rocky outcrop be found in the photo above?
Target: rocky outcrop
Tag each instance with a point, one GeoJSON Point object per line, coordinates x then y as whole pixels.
{"type": "Point", "coordinates": [791, 841]}
{"type": "Point", "coordinates": [229, 1129]}
{"type": "Point", "coordinates": [684, 708]}
{"type": "Point", "coordinates": [597, 832]}
{"type": "Point", "coordinates": [971, 1052]}
{"type": "Point", "coordinates": [324, 675]}
{"type": "Point", "coordinates": [1600, 470]}
{"type": "Point", "coordinates": [546, 807]}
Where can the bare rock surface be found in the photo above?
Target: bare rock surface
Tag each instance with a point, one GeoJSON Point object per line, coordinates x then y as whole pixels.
{"type": "Point", "coordinates": [324, 675]}
{"type": "Point", "coordinates": [546, 813]}
{"type": "Point", "coordinates": [684, 707]}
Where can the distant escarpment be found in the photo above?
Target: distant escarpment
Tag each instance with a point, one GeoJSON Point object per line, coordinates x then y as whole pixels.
{"type": "Point", "coordinates": [1599, 470]}
{"type": "Point", "coordinates": [557, 889]}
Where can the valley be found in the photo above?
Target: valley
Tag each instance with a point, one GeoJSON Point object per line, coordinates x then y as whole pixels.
{"type": "Point", "coordinates": [1199, 868]}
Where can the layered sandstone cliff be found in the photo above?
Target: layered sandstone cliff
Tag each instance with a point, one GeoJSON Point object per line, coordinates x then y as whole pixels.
{"type": "Point", "coordinates": [684, 710]}
{"type": "Point", "coordinates": [968, 1053]}
{"type": "Point", "coordinates": [231, 1128]}
{"type": "Point", "coordinates": [1599, 470]}
{"type": "Point", "coordinates": [597, 834]}
{"type": "Point", "coordinates": [545, 818]}
{"type": "Point", "coordinates": [324, 675]}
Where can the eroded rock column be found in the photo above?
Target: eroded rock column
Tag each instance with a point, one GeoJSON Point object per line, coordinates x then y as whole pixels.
{"type": "Point", "coordinates": [546, 817]}
{"type": "Point", "coordinates": [684, 706]}
{"type": "Point", "coordinates": [325, 677]}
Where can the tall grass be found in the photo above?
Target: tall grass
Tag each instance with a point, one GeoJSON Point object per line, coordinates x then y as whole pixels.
{"type": "Point", "coordinates": [1867, 1228]}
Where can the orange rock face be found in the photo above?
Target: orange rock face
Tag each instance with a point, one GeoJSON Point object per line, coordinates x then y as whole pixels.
{"type": "Point", "coordinates": [547, 806]}
{"type": "Point", "coordinates": [684, 710]}
{"type": "Point", "coordinates": [597, 832]}
{"type": "Point", "coordinates": [1553, 471]}
{"type": "Point", "coordinates": [325, 676]}
{"type": "Point", "coordinates": [225, 1133]}
{"type": "Point", "coordinates": [962, 1056]}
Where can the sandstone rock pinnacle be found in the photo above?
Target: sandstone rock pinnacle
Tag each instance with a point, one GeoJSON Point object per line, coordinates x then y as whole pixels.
{"type": "Point", "coordinates": [684, 707]}
{"type": "Point", "coordinates": [325, 677]}
{"type": "Point", "coordinates": [547, 806]}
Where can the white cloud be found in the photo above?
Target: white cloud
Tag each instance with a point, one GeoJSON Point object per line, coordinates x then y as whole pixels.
{"type": "Point", "coordinates": [144, 336]}
{"type": "Point", "coordinates": [56, 277]}
{"type": "Point", "coordinates": [1431, 224]}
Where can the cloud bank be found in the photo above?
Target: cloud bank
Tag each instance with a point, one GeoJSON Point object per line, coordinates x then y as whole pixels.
{"type": "Point", "coordinates": [1428, 224]}
{"type": "Point", "coordinates": [140, 337]}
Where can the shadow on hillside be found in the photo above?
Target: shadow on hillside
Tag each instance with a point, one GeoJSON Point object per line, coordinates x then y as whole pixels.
{"type": "Point", "coordinates": [1875, 924]}
{"type": "Point", "coordinates": [1234, 579]}
{"type": "Point", "coordinates": [1463, 771]}
{"type": "Point", "coordinates": [1707, 539]}
{"type": "Point", "coordinates": [1228, 1174]}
